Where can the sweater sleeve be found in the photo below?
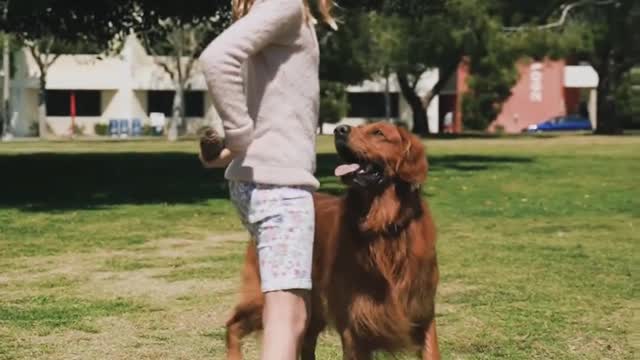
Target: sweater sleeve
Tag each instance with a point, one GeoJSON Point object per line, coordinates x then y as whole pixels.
{"type": "Point", "coordinates": [222, 62]}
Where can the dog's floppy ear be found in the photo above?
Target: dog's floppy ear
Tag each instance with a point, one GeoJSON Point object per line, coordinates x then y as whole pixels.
{"type": "Point", "coordinates": [412, 166]}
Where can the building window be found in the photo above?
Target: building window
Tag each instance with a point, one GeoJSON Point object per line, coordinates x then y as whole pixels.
{"type": "Point", "coordinates": [88, 102]}
{"type": "Point", "coordinates": [194, 101]}
{"type": "Point", "coordinates": [371, 105]}
{"type": "Point", "coordinates": [162, 102]}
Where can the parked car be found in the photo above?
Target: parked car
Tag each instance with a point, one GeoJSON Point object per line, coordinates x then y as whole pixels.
{"type": "Point", "coordinates": [562, 123]}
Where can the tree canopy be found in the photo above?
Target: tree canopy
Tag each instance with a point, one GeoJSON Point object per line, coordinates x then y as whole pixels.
{"type": "Point", "coordinates": [412, 35]}
{"type": "Point", "coordinates": [104, 20]}
{"type": "Point", "coordinates": [403, 36]}
{"type": "Point", "coordinates": [64, 19]}
{"type": "Point", "coordinates": [603, 33]}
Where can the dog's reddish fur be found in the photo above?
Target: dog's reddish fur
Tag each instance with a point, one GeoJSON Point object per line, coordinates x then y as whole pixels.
{"type": "Point", "coordinates": [374, 271]}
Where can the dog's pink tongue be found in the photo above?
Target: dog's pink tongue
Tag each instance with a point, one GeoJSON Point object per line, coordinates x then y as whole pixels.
{"type": "Point", "coordinates": [346, 169]}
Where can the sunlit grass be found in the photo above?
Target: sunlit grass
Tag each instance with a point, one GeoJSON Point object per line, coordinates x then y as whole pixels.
{"type": "Point", "coordinates": [130, 250]}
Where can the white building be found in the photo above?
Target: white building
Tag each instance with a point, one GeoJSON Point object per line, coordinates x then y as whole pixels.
{"type": "Point", "coordinates": [131, 85]}
{"type": "Point", "coordinates": [127, 86]}
{"type": "Point", "coordinates": [367, 102]}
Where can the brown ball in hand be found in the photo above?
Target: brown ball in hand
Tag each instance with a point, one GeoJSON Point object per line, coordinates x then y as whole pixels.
{"type": "Point", "coordinates": [211, 144]}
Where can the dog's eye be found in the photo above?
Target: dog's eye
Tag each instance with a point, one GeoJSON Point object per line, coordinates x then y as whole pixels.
{"type": "Point", "coordinates": [378, 132]}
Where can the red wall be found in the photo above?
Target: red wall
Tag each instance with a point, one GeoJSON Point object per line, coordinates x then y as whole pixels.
{"type": "Point", "coordinates": [538, 96]}
{"type": "Point", "coordinates": [572, 100]}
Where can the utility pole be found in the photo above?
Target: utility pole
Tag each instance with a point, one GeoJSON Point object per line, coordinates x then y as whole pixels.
{"type": "Point", "coordinates": [6, 117]}
{"type": "Point", "coordinates": [5, 88]}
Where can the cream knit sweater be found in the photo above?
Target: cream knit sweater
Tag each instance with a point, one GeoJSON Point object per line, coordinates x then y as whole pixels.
{"type": "Point", "coordinates": [262, 75]}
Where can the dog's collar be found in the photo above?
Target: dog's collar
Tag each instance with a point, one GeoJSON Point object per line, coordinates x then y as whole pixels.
{"type": "Point", "coordinates": [391, 230]}
{"type": "Point", "coordinates": [411, 186]}
{"type": "Point", "coordinates": [396, 228]}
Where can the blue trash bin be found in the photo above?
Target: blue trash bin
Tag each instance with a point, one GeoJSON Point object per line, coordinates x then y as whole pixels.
{"type": "Point", "coordinates": [113, 128]}
{"type": "Point", "coordinates": [136, 127]}
{"type": "Point", "coordinates": [124, 128]}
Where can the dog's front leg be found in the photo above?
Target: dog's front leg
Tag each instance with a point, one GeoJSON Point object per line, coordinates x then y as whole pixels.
{"type": "Point", "coordinates": [430, 350]}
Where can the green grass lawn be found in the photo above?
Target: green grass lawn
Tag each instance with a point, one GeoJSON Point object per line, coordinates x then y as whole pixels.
{"type": "Point", "coordinates": [130, 250]}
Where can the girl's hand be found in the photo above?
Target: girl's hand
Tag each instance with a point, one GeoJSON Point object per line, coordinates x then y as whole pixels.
{"type": "Point", "coordinates": [220, 162]}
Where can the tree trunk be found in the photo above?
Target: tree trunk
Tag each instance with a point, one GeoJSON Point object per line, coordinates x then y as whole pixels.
{"type": "Point", "coordinates": [445, 74]}
{"type": "Point", "coordinates": [5, 116]}
{"type": "Point", "coordinates": [420, 121]}
{"type": "Point", "coordinates": [608, 119]}
{"type": "Point", "coordinates": [387, 96]}
{"type": "Point", "coordinates": [607, 123]}
{"type": "Point", "coordinates": [177, 117]}
{"type": "Point", "coordinates": [42, 107]}
{"type": "Point", "coordinates": [610, 72]}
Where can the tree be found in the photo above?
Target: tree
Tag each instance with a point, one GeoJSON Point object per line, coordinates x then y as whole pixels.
{"type": "Point", "coordinates": [610, 29]}
{"type": "Point", "coordinates": [616, 50]}
{"type": "Point", "coordinates": [492, 74]}
{"type": "Point", "coordinates": [45, 51]}
{"type": "Point", "coordinates": [41, 51]}
{"type": "Point", "coordinates": [627, 98]}
{"type": "Point", "coordinates": [345, 59]}
{"type": "Point", "coordinates": [409, 37]}
{"type": "Point", "coordinates": [492, 70]}
{"type": "Point", "coordinates": [333, 103]}
{"type": "Point", "coordinates": [176, 35]}
{"type": "Point", "coordinates": [496, 34]}
{"type": "Point", "coordinates": [371, 44]}
{"type": "Point", "coordinates": [5, 122]}
{"type": "Point", "coordinates": [51, 28]}
{"type": "Point", "coordinates": [6, 74]}
{"type": "Point", "coordinates": [176, 52]}
{"type": "Point", "coordinates": [401, 36]}
{"type": "Point", "coordinates": [66, 19]}
{"type": "Point", "coordinates": [414, 36]}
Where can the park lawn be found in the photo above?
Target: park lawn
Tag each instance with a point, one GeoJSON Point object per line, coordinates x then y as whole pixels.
{"type": "Point", "coordinates": [113, 250]}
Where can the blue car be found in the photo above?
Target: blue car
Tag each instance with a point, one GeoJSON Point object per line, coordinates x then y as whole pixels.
{"type": "Point", "coordinates": [562, 123]}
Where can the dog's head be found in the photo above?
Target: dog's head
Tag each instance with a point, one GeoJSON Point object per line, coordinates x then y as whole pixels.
{"type": "Point", "coordinates": [379, 154]}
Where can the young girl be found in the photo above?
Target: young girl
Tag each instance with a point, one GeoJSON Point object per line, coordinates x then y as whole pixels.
{"type": "Point", "coordinates": [262, 75]}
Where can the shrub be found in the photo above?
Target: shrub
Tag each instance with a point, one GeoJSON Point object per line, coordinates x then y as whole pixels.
{"type": "Point", "coordinates": [333, 102]}
{"type": "Point", "coordinates": [101, 129]}
{"type": "Point", "coordinates": [78, 129]}
{"type": "Point", "coordinates": [34, 129]}
{"type": "Point", "coordinates": [147, 130]}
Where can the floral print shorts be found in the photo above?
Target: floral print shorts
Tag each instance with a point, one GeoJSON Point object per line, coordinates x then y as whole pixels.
{"type": "Point", "coordinates": [281, 219]}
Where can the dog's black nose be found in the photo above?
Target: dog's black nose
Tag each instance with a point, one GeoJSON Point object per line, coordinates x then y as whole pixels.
{"type": "Point", "coordinates": [342, 130]}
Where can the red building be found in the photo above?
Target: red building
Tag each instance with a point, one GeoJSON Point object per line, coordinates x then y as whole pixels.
{"type": "Point", "coordinates": [545, 89]}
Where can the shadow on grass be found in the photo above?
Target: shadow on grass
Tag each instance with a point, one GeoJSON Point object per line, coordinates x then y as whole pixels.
{"type": "Point", "coordinates": [486, 136]}
{"type": "Point", "coordinates": [50, 182]}
{"type": "Point", "coordinates": [42, 182]}
{"type": "Point", "coordinates": [473, 162]}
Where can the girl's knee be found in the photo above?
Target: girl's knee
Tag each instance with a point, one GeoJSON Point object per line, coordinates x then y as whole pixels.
{"type": "Point", "coordinates": [287, 311]}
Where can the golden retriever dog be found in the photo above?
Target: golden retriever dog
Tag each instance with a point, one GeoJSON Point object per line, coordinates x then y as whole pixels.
{"type": "Point", "coordinates": [374, 264]}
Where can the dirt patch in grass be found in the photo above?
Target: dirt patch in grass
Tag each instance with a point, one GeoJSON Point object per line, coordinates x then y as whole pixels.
{"type": "Point", "coordinates": [119, 304]}
{"type": "Point", "coordinates": [150, 285]}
